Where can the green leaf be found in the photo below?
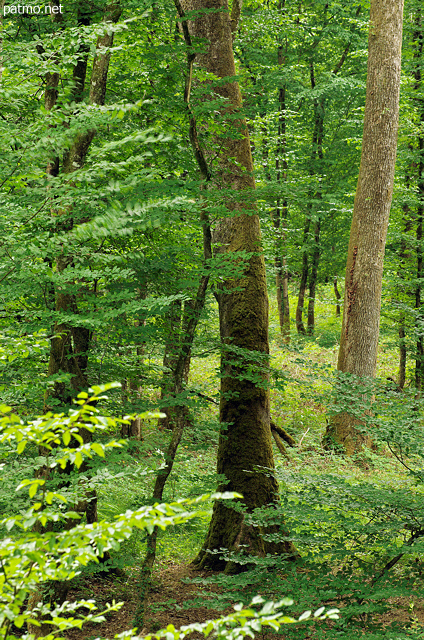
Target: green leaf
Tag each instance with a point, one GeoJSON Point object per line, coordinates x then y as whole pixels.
{"type": "Point", "coordinates": [33, 489]}
{"type": "Point", "coordinates": [97, 448]}
{"type": "Point", "coordinates": [305, 615]}
{"type": "Point", "coordinates": [21, 446]}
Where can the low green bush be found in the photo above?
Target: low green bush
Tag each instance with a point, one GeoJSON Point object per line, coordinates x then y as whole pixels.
{"type": "Point", "coordinates": [41, 550]}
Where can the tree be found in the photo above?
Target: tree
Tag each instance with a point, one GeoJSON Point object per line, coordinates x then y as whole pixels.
{"type": "Point", "coordinates": [364, 269]}
{"type": "Point", "coordinates": [245, 439]}
{"type": "Point", "coordinates": [70, 344]}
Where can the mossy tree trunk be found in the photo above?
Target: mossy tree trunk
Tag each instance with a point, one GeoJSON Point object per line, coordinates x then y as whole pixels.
{"type": "Point", "coordinates": [245, 439]}
{"type": "Point", "coordinates": [364, 269]}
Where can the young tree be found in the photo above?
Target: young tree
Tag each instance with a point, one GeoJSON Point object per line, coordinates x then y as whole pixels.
{"type": "Point", "coordinates": [364, 269]}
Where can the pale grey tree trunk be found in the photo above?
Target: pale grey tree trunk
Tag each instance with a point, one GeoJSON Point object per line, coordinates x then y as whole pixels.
{"type": "Point", "coordinates": [364, 269]}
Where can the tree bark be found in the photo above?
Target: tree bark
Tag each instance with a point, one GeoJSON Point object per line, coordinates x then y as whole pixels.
{"type": "Point", "coordinates": [245, 440]}
{"type": "Point", "coordinates": [280, 215]}
{"type": "Point", "coordinates": [418, 55]}
{"type": "Point", "coordinates": [313, 278]}
{"type": "Point", "coordinates": [337, 295]}
{"type": "Point", "coordinates": [316, 168]}
{"type": "Point", "coordinates": [364, 269]}
{"type": "Point", "coordinates": [170, 358]}
{"type": "Point", "coordinates": [403, 257]}
{"type": "Point", "coordinates": [70, 344]}
{"type": "Point", "coordinates": [303, 280]}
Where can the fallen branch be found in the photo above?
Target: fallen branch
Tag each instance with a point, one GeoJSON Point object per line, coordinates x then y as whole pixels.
{"type": "Point", "coordinates": [280, 445]}
{"type": "Point", "coordinates": [283, 434]}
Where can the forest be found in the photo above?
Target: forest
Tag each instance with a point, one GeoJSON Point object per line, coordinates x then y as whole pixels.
{"type": "Point", "coordinates": [212, 319]}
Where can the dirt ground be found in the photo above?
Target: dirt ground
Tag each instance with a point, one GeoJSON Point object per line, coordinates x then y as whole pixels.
{"type": "Point", "coordinates": [166, 601]}
{"type": "Point", "coordinates": [164, 604]}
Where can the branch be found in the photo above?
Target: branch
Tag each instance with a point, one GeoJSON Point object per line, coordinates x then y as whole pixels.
{"type": "Point", "coordinates": [280, 445]}
{"type": "Point", "coordinates": [346, 51]}
{"type": "Point", "coordinates": [283, 434]}
{"type": "Point", "coordinates": [235, 16]}
{"type": "Point", "coordinates": [193, 135]}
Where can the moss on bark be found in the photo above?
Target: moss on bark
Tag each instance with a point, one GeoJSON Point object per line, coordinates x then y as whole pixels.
{"type": "Point", "coordinates": [245, 454]}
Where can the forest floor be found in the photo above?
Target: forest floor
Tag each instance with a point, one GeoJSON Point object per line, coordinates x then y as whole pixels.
{"type": "Point", "coordinates": [299, 406]}
{"type": "Point", "coordinates": [165, 604]}
{"type": "Point", "coordinates": [169, 596]}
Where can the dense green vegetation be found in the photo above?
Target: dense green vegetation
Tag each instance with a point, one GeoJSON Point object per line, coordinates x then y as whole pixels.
{"type": "Point", "coordinates": [123, 194]}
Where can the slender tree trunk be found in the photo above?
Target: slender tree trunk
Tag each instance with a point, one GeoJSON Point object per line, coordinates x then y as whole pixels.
{"type": "Point", "coordinates": [418, 55]}
{"type": "Point", "coordinates": [280, 215]}
{"type": "Point", "coordinates": [419, 357]}
{"type": "Point", "coordinates": [69, 345]}
{"type": "Point", "coordinates": [314, 277]}
{"type": "Point", "coordinates": [170, 358]}
{"type": "Point", "coordinates": [316, 168]}
{"type": "Point", "coordinates": [175, 379]}
{"type": "Point", "coordinates": [303, 279]}
{"type": "Point", "coordinates": [2, 3]}
{"type": "Point", "coordinates": [337, 295]}
{"type": "Point", "coordinates": [364, 269]}
{"type": "Point", "coordinates": [403, 257]}
{"type": "Point", "coordinates": [245, 441]}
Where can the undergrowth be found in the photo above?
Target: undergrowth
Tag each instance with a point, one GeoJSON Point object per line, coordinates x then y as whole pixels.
{"type": "Point", "coordinates": [358, 523]}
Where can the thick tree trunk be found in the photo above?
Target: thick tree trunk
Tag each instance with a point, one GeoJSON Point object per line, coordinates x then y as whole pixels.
{"type": "Point", "coordinates": [364, 269]}
{"type": "Point", "coordinates": [245, 441]}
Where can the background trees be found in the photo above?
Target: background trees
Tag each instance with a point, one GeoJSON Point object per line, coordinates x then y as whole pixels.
{"type": "Point", "coordinates": [108, 258]}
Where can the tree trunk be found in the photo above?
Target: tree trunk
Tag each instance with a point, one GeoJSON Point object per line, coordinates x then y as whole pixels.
{"type": "Point", "coordinates": [419, 358]}
{"type": "Point", "coordinates": [303, 280]}
{"type": "Point", "coordinates": [337, 295]}
{"type": "Point", "coordinates": [170, 359]}
{"type": "Point", "coordinates": [181, 364]}
{"type": "Point", "coordinates": [245, 441]}
{"type": "Point", "coordinates": [279, 218]}
{"type": "Point", "coordinates": [69, 344]}
{"type": "Point", "coordinates": [364, 269]}
{"type": "Point", "coordinates": [403, 257]}
{"type": "Point", "coordinates": [316, 168]}
{"type": "Point", "coordinates": [313, 278]}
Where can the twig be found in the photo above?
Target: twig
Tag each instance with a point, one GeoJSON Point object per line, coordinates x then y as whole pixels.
{"type": "Point", "coordinates": [301, 439]}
